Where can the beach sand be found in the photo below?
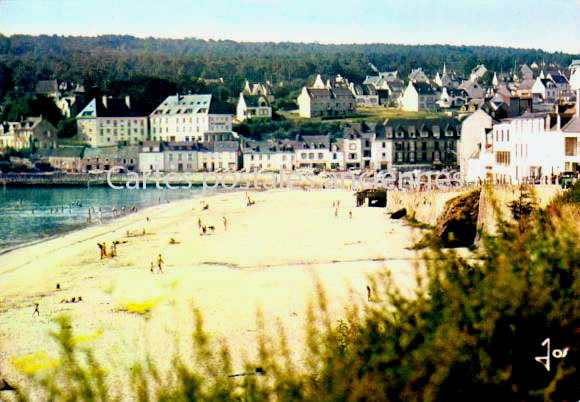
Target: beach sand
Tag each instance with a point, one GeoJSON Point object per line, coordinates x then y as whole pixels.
{"type": "Point", "coordinates": [268, 260]}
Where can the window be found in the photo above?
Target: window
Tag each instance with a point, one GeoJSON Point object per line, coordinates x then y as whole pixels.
{"type": "Point", "coordinates": [502, 157]}
{"type": "Point", "coordinates": [320, 155]}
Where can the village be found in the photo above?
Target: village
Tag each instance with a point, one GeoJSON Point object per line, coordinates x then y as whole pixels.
{"type": "Point", "coordinates": [514, 127]}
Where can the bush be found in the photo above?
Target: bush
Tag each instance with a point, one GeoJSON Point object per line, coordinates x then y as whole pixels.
{"type": "Point", "coordinates": [471, 332]}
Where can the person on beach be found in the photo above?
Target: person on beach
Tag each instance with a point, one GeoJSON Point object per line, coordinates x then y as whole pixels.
{"type": "Point", "coordinates": [152, 266]}
{"type": "Point", "coordinates": [36, 311]}
{"type": "Point", "coordinates": [350, 214]}
{"type": "Point", "coordinates": [225, 223]}
{"type": "Point", "coordinates": [368, 293]}
{"type": "Point", "coordinates": [159, 263]}
{"type": "Point", "coordinates": [199, 224]}
{"type": "Point", "coordinates": [103, 248]}
{"type": "Point", "coordinates": [336, 213]}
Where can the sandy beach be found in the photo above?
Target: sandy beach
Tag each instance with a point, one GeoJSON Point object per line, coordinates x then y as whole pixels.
{"type": "Point", "coordinates": [268, 259]}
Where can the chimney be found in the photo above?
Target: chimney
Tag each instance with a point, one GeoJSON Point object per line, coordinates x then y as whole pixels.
{"type": "Point", "coordinates": [128, 101]}
{"type": "Point", "coordinates": [105, 101]}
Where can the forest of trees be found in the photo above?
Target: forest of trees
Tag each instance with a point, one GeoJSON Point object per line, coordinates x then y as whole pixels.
{"type": "Point", "coordinates": [150, 69]}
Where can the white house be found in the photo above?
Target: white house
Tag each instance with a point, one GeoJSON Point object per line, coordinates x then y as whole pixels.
{"type": "Point", "coordinates": [529, 146]}
{"type": "Point", "coordinates": [317, 151]}
{"type": "Point", "coordinates": [185, 118]}
{"type": "Point", "coordinates": [382, 152]}
{"type": "Point", "coordinates": [151, 158]}
{"type": "Point", "coordinates": [223, 155]}
{"type": "Point", "coordinates": [419, 96]}
{"type": "Point", "coordinates": [252, 107]}
{"type": "Point", "coordinates": [268, 156]}
{"type": "Point", "coordinates": [451, 97]}
{"type": "Point", "coordinates": [473, 134]}
{"type": "Point", "coordinates": [545, 88]}
{"type": "Point", "coordinates": [110, 121]}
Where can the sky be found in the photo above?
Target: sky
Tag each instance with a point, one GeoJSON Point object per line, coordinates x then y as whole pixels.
{"type": "Point", "coordinates": [552, 25]}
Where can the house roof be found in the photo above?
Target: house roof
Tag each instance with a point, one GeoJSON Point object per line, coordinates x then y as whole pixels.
{"type": "Point", "coordinates": [254, 100]}
{"type": "Point", "coordinates": [190, 104]}
{"type": "Point", "coordinates": [112, 152]}
{"type": "Point", "coordinates": [114, 107]}
{"type": "Point", "coordinates": [66, 152]}
{"type": "Point", "coordinates": [558, 78]}
{"type": "Point", "coordinates": [392, 126]}
{"type": "Point", "coordinates": [219, 146]}
{"type": "Point", "coordinates": [573, 126]}
{"type": "Point", "coordinates": [423, 88]}
{"type": "Point", "coordinates": [365, 89]}
{"type": "Point", "coordinates": [319, 92]}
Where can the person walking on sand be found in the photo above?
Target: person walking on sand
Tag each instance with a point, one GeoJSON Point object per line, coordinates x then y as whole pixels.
{"type": "Point", "coordinates": [225, 223]}
{"type": "Point", "coordinates": [350, 214]}
{"type": "Point", "coordinates": [36, 311]}
{"type": "Point", "coordinates": [103, 249]}
{"type": "Point", "coordinates": [368, 293]}
{"type": "Point", "coordinates": [152, 266]}
{"type": "Point", "coordinates": [159, 263]}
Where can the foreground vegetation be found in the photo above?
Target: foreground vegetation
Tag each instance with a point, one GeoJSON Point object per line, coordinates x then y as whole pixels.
{"type": "Point", "coordinates": [471, 331]}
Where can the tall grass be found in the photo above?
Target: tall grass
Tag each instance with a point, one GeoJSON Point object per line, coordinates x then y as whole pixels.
{"type": "Point", "coordinates": [471, 332]}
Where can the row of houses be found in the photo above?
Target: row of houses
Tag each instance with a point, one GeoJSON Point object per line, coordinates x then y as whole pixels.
{"type": "Point", "coordinates": [533, 145]}
{"type": "Point", "coordinates": [31, 133]}
{"type": "Point", "coordinates": [393, 144]}
{"type": "Point", "coordinates": [109, 121]}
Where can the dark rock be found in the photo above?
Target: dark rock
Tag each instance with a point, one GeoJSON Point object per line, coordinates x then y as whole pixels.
{"type": "Point", "coordinates": [401, 213]}
{"type": "Point", "coordinates": [4, 386]}
{"type": "Point", "coordinates": [457, 226]}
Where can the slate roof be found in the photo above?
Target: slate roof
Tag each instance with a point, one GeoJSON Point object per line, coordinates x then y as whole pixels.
{"type": "Point", "coordinates": [558, 79]}
{"type": "Point", "coordinates": [219, 146]}
{"type": "Point", "coordinates": [329, 93]}
{"type": "Point", "coordinates": [115, 107]}
{"type": "Point", "coordinates": [190, 104]}
{"type": "Point", "coordinates": [362, 90]}
{"type": "Point", "coordinates": [573, 126]}
{"type": "Point", "coordinates": [112, 152]}
{"type": "Point", "coordinates": [63, 152]}
{"type": "Point", "coordinates": [392, 126]}
{"type": "Point", "coordinates": [423, 88]}
{"type": "Point", "coordinates": [254, 100]}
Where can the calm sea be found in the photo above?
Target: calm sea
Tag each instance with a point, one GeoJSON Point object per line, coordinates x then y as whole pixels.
{"type": "Point", "coordinates": [33, 214]}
